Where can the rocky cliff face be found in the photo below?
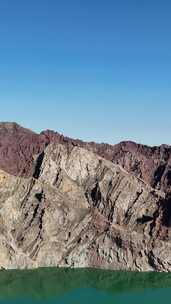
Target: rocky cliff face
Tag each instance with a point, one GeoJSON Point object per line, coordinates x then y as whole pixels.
{"type": "Point", "coordinates": [19, 146]}
{"type": "Point", "coordinates": [67, 203]}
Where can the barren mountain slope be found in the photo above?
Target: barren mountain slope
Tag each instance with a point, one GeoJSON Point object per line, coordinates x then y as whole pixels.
{"type": "Point", "coordinates": [19, 146]}
{"type": "Point", "coordinates": [64, 202]}
{"type": "Point", "coordinates": [81, 210]}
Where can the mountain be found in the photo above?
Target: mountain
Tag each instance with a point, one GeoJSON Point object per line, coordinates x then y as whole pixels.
{"type": "Point", "coordinates": [65, 202]}
{"type": "Point", "coordinates": [19, 146]}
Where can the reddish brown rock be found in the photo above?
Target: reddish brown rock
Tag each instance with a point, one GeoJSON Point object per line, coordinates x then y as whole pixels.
{"type": "Point", "coordinates": [18, 147]}
{"type": "Point", "coordinates": [78, 209]}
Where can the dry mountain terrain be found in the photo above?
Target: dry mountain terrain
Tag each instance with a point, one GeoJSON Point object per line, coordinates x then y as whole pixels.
{"type": "Point", "coordinates": [64, 202]}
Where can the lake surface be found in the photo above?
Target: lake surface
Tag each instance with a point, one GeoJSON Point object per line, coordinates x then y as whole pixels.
{"type": "Point", "coordinates": [80, 286]}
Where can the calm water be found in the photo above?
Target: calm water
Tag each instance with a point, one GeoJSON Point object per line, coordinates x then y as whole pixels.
{"type": "Point", "coordinates": [69, 286]}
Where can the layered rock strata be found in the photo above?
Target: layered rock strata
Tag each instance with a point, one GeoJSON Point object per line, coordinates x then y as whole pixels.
{"type": "Point", "coordinates": [74, 204]}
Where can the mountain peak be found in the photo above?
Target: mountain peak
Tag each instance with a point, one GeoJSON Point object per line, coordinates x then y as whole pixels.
{"type": "Point", "coordinates": [13, 126]}
{"type": "Point", "coordinates": [18, 147]}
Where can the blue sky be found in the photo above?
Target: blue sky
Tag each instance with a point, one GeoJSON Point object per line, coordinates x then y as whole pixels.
{"type": "Point", "coordinates": [96, 69]}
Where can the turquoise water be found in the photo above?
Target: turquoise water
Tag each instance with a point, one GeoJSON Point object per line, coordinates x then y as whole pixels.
{"type": "Point", "coordinates": [80, 286]}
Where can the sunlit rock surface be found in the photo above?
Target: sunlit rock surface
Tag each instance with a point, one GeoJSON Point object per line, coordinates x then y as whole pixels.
{"type": "Point", "coordinates": [63, 204]}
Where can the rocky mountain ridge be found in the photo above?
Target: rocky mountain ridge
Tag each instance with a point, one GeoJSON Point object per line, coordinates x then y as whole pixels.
{"type": "Point", "coordinates": [68, 203]}
{"type": "Point", "coordinates": [18, 147]}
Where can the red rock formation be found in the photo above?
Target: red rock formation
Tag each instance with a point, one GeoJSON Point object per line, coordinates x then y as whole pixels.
{"type": "Point", "coordinates": [18, 146]}
{"type": "Point", "coordinates": [78, 209]}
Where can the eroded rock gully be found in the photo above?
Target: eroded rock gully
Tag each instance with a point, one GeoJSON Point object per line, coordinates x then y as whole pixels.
{"type": "Point", "coordinates": [66, 203]}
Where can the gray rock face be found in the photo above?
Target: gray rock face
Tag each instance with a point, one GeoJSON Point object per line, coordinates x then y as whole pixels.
{"type": "Point", "coordinates": [81, 210]}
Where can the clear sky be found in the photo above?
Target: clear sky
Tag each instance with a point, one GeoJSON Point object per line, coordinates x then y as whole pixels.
{"type": "Point", "coordinates": [91, 69]}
